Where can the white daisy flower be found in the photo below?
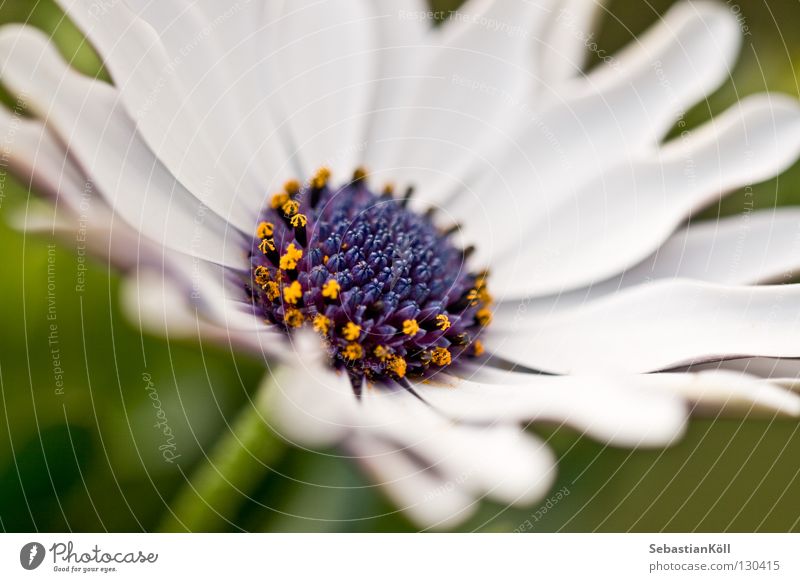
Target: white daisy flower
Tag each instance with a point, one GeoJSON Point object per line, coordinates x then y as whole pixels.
{"type": "Point", "coordinates": [222, 171]}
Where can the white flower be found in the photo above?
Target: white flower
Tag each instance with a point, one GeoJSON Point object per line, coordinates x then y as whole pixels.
{"type": "Point", "coordinates": [561, 181]}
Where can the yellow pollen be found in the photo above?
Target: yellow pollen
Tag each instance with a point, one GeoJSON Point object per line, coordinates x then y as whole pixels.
{"type": "Point", "coordinates": [292, 187]}
{"type": "Point", "coordinates": [441, 357]}
{"type": "Point", "coordinates": [272, 290]}
{"type": "Point", "coordinates": [266, 245]}
{"type": "Point", "coordinates": [325, 259]}
{"type": "Point", "coordinates": [388, 189]}
{"type": "Point", "coordinates": [473, 296]}
{"type": "Point", "coordinates": [351, 331]}
{"type": "Point", "coordinates": [442, 321]}
{"type": "Point", "coordinates": [359, 174]}
{"type": "Point", "coordinates": [353, 351]}
{"type": "Point", "coordinates": [293, 293]}
{"type": "Point", "coordinates": [261, 275]}
{"type": "Point", "coordinates": [477, 348]}
{"type": "Point", "coordinates": [381, 352]}
{"type": "Point", "coordinates": [484, 295]}
{"type": "Point", "coordinates": [484, 317]}
{"type": "Point", "coordinates": [321, 323]}
{"type": "Point", "coordinates": [290, 258]}
{"type": "Point", "coordinates": [396, 365]}
{"type": "Point", "coordinates": [265, 229]}
{"type": "Point", "coordinates": [279, 199]}
{"type": "Point", "coordinates": [290, 207]}
{"type": "Point", "coordinates": [298, 220]}
{"type": "Point", "coordinates": [293, 317]}
{"type": "Point", "coordinates": [331, 289]}
{"type": "Point", "coordinates": [321, 178]}
{"type": "Point", "coordinates": [410, 327]}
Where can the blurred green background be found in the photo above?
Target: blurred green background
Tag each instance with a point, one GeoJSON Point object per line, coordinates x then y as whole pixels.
{"type": "Point", "coordinates": [89, 459]}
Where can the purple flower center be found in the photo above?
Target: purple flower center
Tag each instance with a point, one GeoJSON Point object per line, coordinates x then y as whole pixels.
{"type": "Point", "coordinates": [386, 288]}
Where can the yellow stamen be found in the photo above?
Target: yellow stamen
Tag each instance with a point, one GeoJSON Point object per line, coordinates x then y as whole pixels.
{"type": "Point", "coordinates": [321, 323]}
{"type": "Point", "coordinates": [321, 178]}
{"type": "Point", "coordinates": [359, 174]}
{"type": "Point", "coordinates": [388, 189]}
{"type": "Point", "coordinates": [442, 321]}
{"type": "Point", "coordinates": [290, 258]}
{"type": "Point", "coordinates": [261, 275]}
{"type": "Point", "coordinates": [477, 348]}
{"type": "Point", "coordinates": [290, 207]}
{"type": "Point", "coordinates": [473, 297]}
{"type": "Point", "coordinates": [265, 229]}
{"type": "Point", "coordinates": [331, 289]}
{"type": "Point", "coordinates": [441, 357]}
{"type": "Point", "coordinates": [293, 293]}
{"type": "Point", "coordinates": [410, 327]}
{"type": "Point", "coordinates": [351, 331]}
{"type": "Point", "coordinates": [266, 245]}
{"type": "Point", "coordinates": [484, 317]}
{"type": "Point", "coordinates": [381, 352]}
{"type": "Point", "coordinates": [272, 290]}
{"type": "Point", "coordinates": [278, 199]}
{"type": "Point", "coordinates": [325, 259]}
{"type": "Point", "coordinates": [298, 220]}
{"type": "Point", "coordinates": [293, 317]}
{"type": "Point", "coordinates": [397, 366]}
{"type": "Point", "coordinates": [292, 187]}
{"type": "Point", "coordinates": [353, 351]}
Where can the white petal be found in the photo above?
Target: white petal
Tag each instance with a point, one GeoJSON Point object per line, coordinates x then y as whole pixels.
{"type": "Point", "coordinates": [753, 247]}
{"type": "Point", "coordinates": [325, 64]}
{"type": "Point", "coordinates": [501, 461]}
{"type": "Point", "coordinates": [481, 61]}
{"type": "Point", "coordinates": [654, 327]}
{"type": "Point", "coordinates": [85, 114]}
{"type": "Point", "coordinates": [427, 499]}
{"type": "Point", "coordinates": [615, 222]}
{"type": "Point", "coordinates": [311, 404]}
{"type": "Point", "coordinates": [619, 410]}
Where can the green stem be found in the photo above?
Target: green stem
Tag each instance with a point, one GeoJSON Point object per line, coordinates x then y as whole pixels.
{"type": "Point", "coordinates": [208, 501]}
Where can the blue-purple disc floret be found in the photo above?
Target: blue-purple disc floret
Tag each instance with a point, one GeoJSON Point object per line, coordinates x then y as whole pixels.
{"type": "Point", "coordinates": [385, 287]}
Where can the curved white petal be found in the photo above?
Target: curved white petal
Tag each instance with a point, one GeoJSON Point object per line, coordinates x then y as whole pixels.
{"type": "Point", "coordinates": [753, 247]}
{"type": "Point", "coordinates": [85, 114]}
{"type": "Point", "coordinates": [428, 499]}
{"type": "Point", "coordinates": [619, 410]}
{"type": "Point", "coordinates": [616, 221]}
{"type": "Point", "coordinates": [325, 68]}
{"type": "Point", "coordinates": [654, 327]}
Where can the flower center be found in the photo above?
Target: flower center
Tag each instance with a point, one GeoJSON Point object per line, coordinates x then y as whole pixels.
{"type": "Point", "coordinates": [386, 288]}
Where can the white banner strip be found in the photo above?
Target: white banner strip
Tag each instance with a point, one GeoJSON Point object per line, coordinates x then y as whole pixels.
{"type": "Point", "coordinates": [406, 557]}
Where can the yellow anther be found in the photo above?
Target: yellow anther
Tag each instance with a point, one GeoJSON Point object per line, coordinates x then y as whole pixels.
{"type": "Point", "coordinates": [484, 296]}
{"type": "Point", "coordinates": [388, 189]}
{"type": "Point", "coordinates": [293, 293]}
{"type": "Point", "coordinates": [325, 259]}
{"type": "Point", "coordinates": [290, 258]}
{"type": "Point", "coordinates": [321, 323]}
{"type": "Point", "coordinates": [278, 199]}
{"type": "Point", "coordinates": [290, 207]}
{"type": "Point", "coordinates": [261, 275]}
{"type": "Point", "coordinates": [441, 357]}
{"type": "Point", "coordinates": [397, 366]}
{"type": "Point", "coordinates": [321, 178]}
{"type": "Point", "coordinates": [483, 317]}
{"type": "Point", "coordinates": [381, 352]}
{"type": "Point", "coordinates": [298, 220]}
{"type": "Point", "coordinates": [410, 327]}
{"type": "Point", "coordinates": [442, 321]}
{"type": "Point", "coordinates": [477, 348]}
{"type": "Point", "coordinates": [266, 245]}
{"type": "Point", "coordinates": [293, 317]}
{"type": "Point", "coordinates": [473, 296]}
{"type": "Point", "coordinates": [331, 289]}
{"type": "Point", "coordinates": [265, 229]}
{"type": "Point", "coordinates": [351, 331]}
{"type": "Point", "coordinates": [272, 290]}
{"type": "Point", "coordinates": [359, 174]}
{"type": "Point", "coordinates": [353, 351]}
{"type": "Point", "coordinates": [292, 187]}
